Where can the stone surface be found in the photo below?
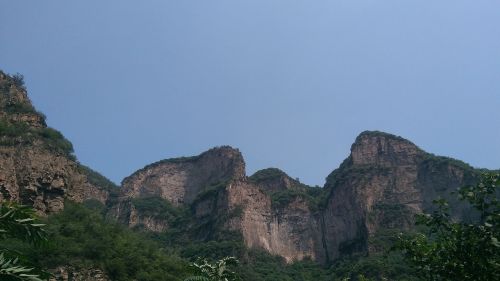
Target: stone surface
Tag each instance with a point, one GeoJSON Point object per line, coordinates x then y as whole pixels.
{"type": "Point", "coordinates": [180, 180]}
{"type": "Point", "coordinates": [69, 273]}
{"type": "Point", "coordinates": [381, 185]}
{"type": "Point", "coordinates": [30, 172]}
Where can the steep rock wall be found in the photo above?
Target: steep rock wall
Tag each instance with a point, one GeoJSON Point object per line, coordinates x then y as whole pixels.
{"type": "Point", "coordinates": [180, 180]}
{"type": "Point", "coordinates": [385, 181]}
{"type": "Point", "coordinates": [35, 166]}
{"type": "Point", "coordinates": [291, 231]}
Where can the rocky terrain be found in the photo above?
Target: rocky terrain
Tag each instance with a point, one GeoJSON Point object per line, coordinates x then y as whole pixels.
{"type": "Point", "coordinates": [383, 183]}
{"type": "Point", "coordinates": [36, 162]}
{"type": "Point", "coordinates": [379, 187]}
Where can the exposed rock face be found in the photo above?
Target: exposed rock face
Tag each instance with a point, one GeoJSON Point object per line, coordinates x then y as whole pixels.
{"type": "Point", "coordinates": [72, 274]}
{"type": "Point", "coordinates": [33, 170]}
{"type": "Point", "coordinates": [180, 180]}
{"type": "Point", "coordinates": [35, 176]}
{"type": "Point", "coordinates": [380, 186]}
{"type": "Point", "coordinates": [214, 183]}
{"type": "Point", "coordinates": [273, 179]}
{"type": "Point", "coordinates": [383, 184]}
{"type": "Point", "coordinates": [290, 231]}
{"type": "Point", "coordinates": [126, 212]}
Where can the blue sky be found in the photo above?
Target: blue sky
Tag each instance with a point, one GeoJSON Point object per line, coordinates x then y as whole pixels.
{"type": "Point", "coordinates": [290, 83]}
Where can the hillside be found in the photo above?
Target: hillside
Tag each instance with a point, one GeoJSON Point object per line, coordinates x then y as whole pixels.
{"type": "Point", "coordinates": [206, 205]}
{"type": "Point", "coordinates": [37, 165]}
{"type": "Point", "coordinates": [381, 186]}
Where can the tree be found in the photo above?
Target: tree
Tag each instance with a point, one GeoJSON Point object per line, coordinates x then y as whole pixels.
{"type": "Point", "coordinates": [459, 250]}
{"type": "Point", "coordinates": [219, 271]}
{"type": "Point", "coordinates": [19, 222]}
{"type": "Point", "coordinates": [18, 79]}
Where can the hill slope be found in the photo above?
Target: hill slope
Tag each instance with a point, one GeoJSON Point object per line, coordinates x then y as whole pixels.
{"type": "Point", "coordinates": [37, 166]}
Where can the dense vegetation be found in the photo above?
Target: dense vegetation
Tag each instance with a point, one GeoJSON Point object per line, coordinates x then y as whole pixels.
{"type": "Point", "coordinates": [454, 250]}
{"type": "Point", "coordinates": [20, 133]}
{"type": "Point", "coordinates": [18, 225]}
{"type": "Point", "coordinates": [315, 196]}
{"type": "Point", "coordinates": [81, 236]}
{"type": "Point", "coordinates": [16, 132]}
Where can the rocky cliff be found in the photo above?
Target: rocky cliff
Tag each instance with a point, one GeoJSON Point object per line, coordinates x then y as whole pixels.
{"type": "Point", "coordinates": [36, 162]}
{"type": "Point", "coordinates": [380, 186]}
{"type": "Point", "coordinates": [383, 183]}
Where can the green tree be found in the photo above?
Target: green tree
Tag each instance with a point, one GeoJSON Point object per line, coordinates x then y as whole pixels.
{"type": "Point", "coordinates": [219, 271]}
{"type": "Point", "coordinates": [460, 250]}
{"type": "Point", "coordinates": [18, 222]}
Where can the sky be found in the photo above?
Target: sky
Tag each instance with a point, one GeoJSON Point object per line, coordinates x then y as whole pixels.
{"type": "Point", "coordinates": [290, 83]}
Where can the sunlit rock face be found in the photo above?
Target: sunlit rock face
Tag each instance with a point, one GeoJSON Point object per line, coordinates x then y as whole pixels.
{"type": "Point", "coordinates": [180, 180]}
{"type": "Point", "coordinates": [215, 185]}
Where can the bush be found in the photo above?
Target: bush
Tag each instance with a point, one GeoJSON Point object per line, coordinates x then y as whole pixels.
{"type": "Point", "coordinates": [459, 250]}
{"type": "Point", "coordinates": [82, 237]}
{"type": "Point", "coordinates": [18, 79]}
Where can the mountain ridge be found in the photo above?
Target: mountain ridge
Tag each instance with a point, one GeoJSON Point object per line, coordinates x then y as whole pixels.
{"type": "Point", "coordinates": [384, 181]}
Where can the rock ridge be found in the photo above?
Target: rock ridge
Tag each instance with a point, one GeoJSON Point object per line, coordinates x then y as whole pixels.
{"type": "Point", "coordinates": [381, 185]}
{"type": "Point", "coordinates": [37, 166]}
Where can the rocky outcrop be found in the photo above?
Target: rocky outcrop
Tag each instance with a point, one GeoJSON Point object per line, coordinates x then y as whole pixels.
{"type": "Point", "coordinates": [37, 177]}
{"type": "Point", "coordinates": [180, 180]}
{"type": "Point", "coordinates": [214, 184]}
{"type": "Point", "coordinates": [126, 212]}
{"type": "Point", "coordinates": [290, 231]}
{"type": "Point", "coordinates": [273, 180]}
{"type": "Point", "coordinates": [385, 181]}
{"type": "Point", "coordinates": [69, 273]}
{"type": "Point", "coordinates": [36, 164]}
{"type": "Point", "coordinates": [381, 185]}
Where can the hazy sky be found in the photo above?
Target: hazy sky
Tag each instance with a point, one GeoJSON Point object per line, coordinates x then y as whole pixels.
{"type": "Point", "coordinates": [289, 83]}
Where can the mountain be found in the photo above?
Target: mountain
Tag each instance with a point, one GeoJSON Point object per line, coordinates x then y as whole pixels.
{"type": "Point", "coordinates": [379, 188]}
{"type": "Point", "coordinates": [384, 182]}
{"type": "Point", "coordinates": [37, 166]}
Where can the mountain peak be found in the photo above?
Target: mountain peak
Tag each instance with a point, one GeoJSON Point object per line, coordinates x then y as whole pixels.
{"type": "Point", "coordinates": [375, 147]}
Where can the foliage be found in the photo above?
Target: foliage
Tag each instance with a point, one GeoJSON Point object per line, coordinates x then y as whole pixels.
{"type": "Point", "coordinates": [457, 250]}
{"type": "Point", "coordinates": [18, 222]}
{"type": "Point", "coordinates": [82, 238]}
{"type": "Point", "coordinates": [99, 180]}
{"type": "Point", "coordinates": [157, 207]}
{"type": "Point", "coordinates": [21, 133]}
{"type": "Point", "coordinates": [20, 108]}
{"type": "Point", "coordinates": [314, 196]}
{"type": "Point", "coordinates": [18, 79]}
{"type": "Point", "coordinates": [55, 140]}
{"type": "Point", "coordinates": [218, 271]}
{"type": "Point", "coordinates": [10, 130]}
{"type": "Point", "coordinates": [267, 174]}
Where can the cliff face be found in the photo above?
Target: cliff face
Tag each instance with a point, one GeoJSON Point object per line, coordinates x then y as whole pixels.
{"type": "Point", "coordinates": [289, 230]}
{"type": "Point", "coordinates": [385, 181]}
{"type": "Point", "coordinates": [214, 184]}
{"type": "Point", "coordinates": [36, 164]}
{"type": "Point", "coordinates": [180, 180]}
{"type": "Point", "coordinates": [380, 186]}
